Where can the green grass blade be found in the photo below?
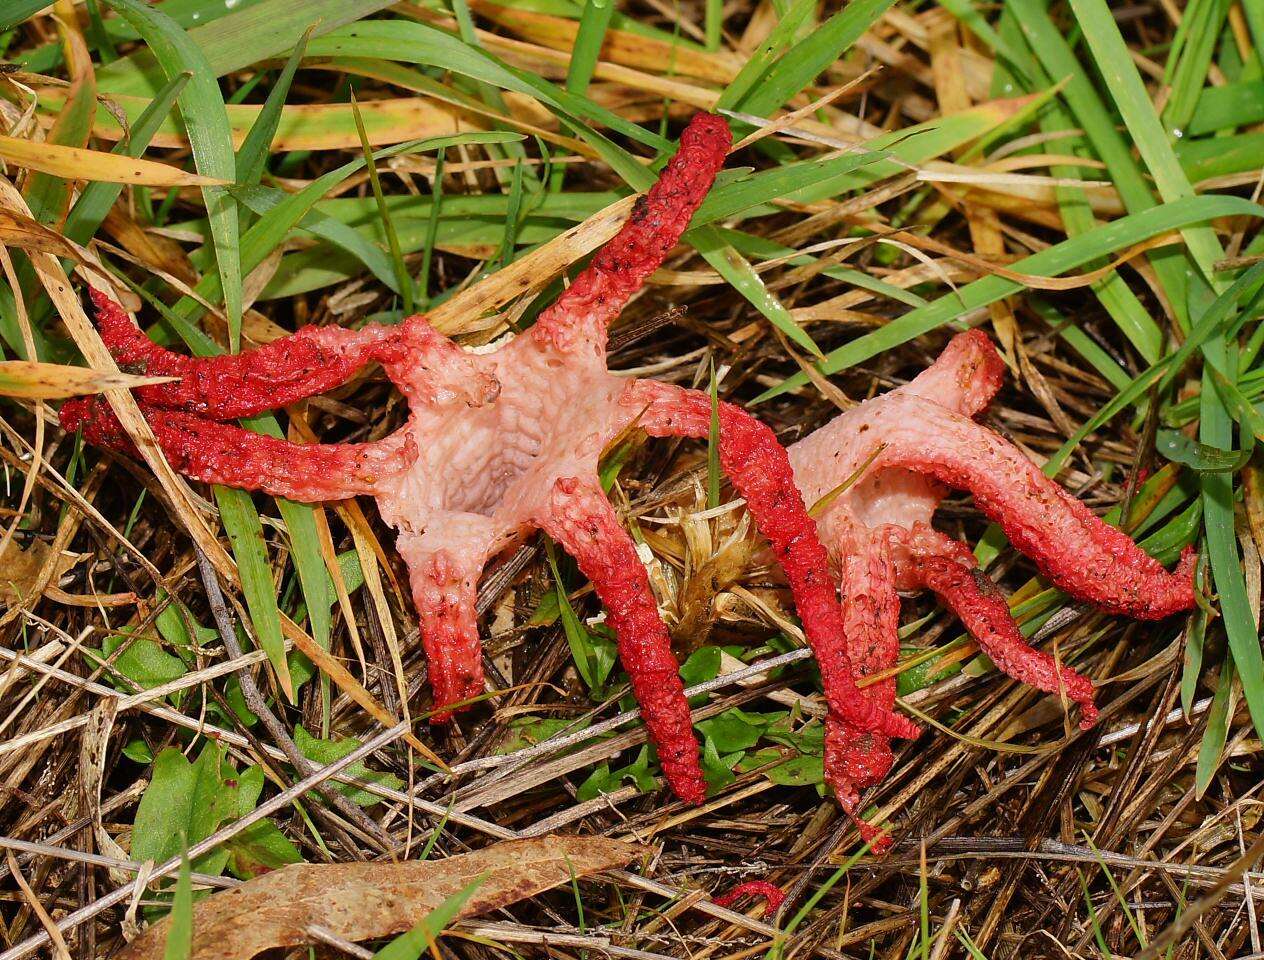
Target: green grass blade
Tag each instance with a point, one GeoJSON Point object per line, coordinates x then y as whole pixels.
{"type": "Point", "coordinates": [253, 153]}
{"type": "Point", "coordinates": [1123, 82]}
{"type": "Point", "coordinates": [432, 230]}
{"type": "Point", "coordinates": [1216, 429]}
{"type": "Point", "coordinates": [251, 32]}
{"type": "Point", "coordinates": [584, 55]}
{"type": "Point", "coordinates": [205, 120]}
{"type": "Point", "coordinates": [179, 944]}
{"type": "Point", "coordinates": [1050, 47]}
{"type": "Point", "coordinates": [412, 944]}
{"type": "Point", "coordinates": [1202, 22]}
{"type": "Point", "coordinates": [765, 54]}
{"type": "Point", "coordinates": [808, 58]}
{"type": "Point", "coordinates": [97, 197]}
{"type": "Point", "coordinates": [741, 276]}
{"type": "Point", "coordinates": [1129, 314]}
{"type": "Point", "coordinates": [16, 11]}
{"type": "Point", "coordinates": [425, 45]}
{"type": "Point", "coordinates": [402, 278]}
{"type": "Point", "coordinates": [1216, 733]}
{"type": "Point", "coordinates": [47, 195]}
{"type": "Point", "coordinates": [1052, 261]}
{"type": "Point", "coordinates": [245, 535]}
{"type": "Point", "coordinates": [1225, 108]}
{"type": "Point", "coordinates": [713, 20]}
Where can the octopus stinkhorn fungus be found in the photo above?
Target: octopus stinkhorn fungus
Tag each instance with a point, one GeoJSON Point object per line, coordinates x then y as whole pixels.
{"type": "Point", "coordinates": [498, 445]}
{"type": "Point", "coordinates": [908, 446]}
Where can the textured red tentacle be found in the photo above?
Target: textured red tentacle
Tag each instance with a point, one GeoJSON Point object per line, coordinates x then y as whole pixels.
{"type": "Point", "coordinates": [445, 594]}
{"type": "Point", "coordinates": [1081, 554]}
{"type": "Point", "coordinates": [757, 465]}
{"type": "Point", "coordinates": [581, 519]}
{"type": "Point", "coordinates": [773, 895]}
{"type": "Point", "coordinates": [947, 568]}
{"type": "Point", "coordinates": [228, 455]}
{"type": "Point", "coordinates": [857, 758]}
{"type": "Point", "coordinates": [312, 361]}
{"type": "Point", "coordinates": [659, 218]}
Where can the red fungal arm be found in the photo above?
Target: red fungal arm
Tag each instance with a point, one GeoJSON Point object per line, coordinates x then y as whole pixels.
{"type": "Point", "coordinates": [312, 361]}
{"type": "Point", "coordinates": [757, 465]}
{"type": "Point", "coordinates": [855, 758]}
{"type": "Point", "coordinates": [444, 593]}
{"type": "Point", "coordinates": [659, 218]}
{"type": "Point", "coordinates": [580, 518]}
{"type": "Point", "coordinates": [228, 455]}
{"type": "Point", "coordinates": [773, 895]}
{"type": "Point", "coordinates": [964, 378]}
{"type": "Point", "coordinates": [1082, 555]}
{"type": "Point", "coordinates": [950, 572]}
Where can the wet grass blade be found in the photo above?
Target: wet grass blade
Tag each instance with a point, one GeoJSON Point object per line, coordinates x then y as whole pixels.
{"type": "Point", "coordinates": [741, 276]}
{"type": "Point", "coordinates": [202, 110]}
{"type": "Point", "coordinates": [765, 55]}
{"type": "Point", "coordinates": [1201, 23]}
{"type": "Point", "coordinates": [1124, 84]}
{"type": "Point", "coordinates": [808, 58]}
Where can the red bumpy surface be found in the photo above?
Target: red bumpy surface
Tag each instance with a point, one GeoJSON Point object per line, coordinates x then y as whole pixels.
{"type": "Point", "coordinates": [911, 443]}
{"type": "Point", "coordinates": [497, 445]}
{"type": "Point", "coordinates": [773, 895]}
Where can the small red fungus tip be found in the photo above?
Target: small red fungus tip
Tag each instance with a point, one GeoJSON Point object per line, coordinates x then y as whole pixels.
{"type": "Point", "coordinates": [773, 895]}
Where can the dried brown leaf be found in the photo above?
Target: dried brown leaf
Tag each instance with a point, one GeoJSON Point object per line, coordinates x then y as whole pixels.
{"type": "Point", "coordinates": [22, 571]}
{"type": "Point", "coordinates": [367, 901]}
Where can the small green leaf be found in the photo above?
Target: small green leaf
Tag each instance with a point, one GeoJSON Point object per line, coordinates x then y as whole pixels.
{"type": "Point", "coordinates": [138, 751]}
{"type": "Point", "coordinates": [326, 752]}
{"type": "Point", "coordinates": [259, 848]}
{"type": "Point", "coordinates": [701, 665]}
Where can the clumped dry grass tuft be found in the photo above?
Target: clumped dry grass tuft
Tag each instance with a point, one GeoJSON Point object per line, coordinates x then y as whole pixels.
{"type": "Point", "coordinates": [908, 170]}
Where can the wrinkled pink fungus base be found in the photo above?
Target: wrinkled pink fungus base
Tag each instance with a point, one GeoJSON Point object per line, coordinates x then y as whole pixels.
{"type": "Point", "coordinates": [918, 440]}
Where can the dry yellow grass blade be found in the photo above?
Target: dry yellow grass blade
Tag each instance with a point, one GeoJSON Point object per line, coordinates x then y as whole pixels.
{"type": "Point", "coordinates": [619, 46]}
{"type": "Point", "coordinates": [349, 685]}
{"type": "Point", "coordinates": [528, 274]}
{"type": "Point", "coordinates": [28, 380]}
{"type": "Point", "coordinates": [308, 126]}
{"type": "Point", "coordinates": [26, 234]}
{"type": "Point", "coordinates": [76, 163]}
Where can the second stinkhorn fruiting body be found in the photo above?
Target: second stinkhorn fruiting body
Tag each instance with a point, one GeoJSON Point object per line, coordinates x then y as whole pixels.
{"type": "Point", "coordinates": [500, 444]}
{"type": "Point", "coordinates": [893, 457]}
